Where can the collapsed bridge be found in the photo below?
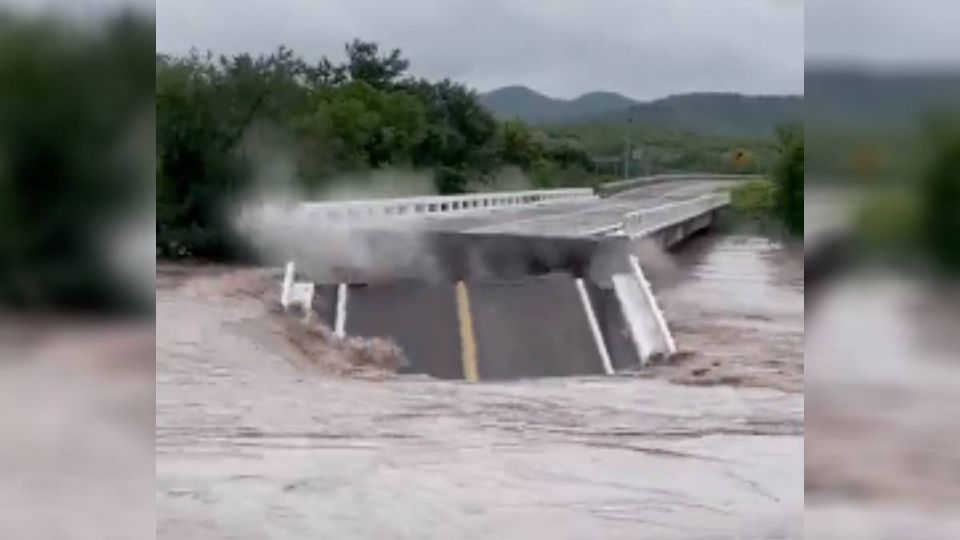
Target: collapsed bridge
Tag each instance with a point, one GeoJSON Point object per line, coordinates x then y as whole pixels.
{"type": "Point", "coordinates": [501, 285]}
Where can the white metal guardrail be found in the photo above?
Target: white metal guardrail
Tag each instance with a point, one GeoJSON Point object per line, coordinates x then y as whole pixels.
{"type": "Point", "coordinates": [641, 222]}
{"type": "Point", "coordinates": [617, 186]}
{"type": "Point", "coordinates": [354, 211]}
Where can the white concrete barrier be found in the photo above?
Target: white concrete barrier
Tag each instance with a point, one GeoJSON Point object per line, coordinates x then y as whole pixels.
{"type": "Point", "coordinates": [340, 320]}
{"type": "Point", "coordinates": [665, 334]}
{"type": "Point", "coordinates": [379, 209]}
{"type": "Point", "coordinates": [646, 324]}
{"type": "Point", "coordinates": [296, 293]}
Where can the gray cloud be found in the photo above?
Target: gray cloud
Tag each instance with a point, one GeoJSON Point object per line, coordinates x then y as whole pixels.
{"type": "Point", "coordinates": [642, 48]}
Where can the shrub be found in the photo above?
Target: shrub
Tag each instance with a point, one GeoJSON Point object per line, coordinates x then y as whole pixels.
{"type": "Point", "coordinates": [788, 175]}
{"type": "Point", "coordinates": [757, 198]}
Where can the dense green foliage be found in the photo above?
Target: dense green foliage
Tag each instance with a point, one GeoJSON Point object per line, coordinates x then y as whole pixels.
{"type": "Point", "coordinates": [71, 106]}
{"type": "Point", "coordinates": [940, 195]}
{"type": "Point", "coordinates": [218, 119]}
{"type": "Point", "coordinates": [780, 197]}
{"type": "Point", "coordinates": [788, 175]}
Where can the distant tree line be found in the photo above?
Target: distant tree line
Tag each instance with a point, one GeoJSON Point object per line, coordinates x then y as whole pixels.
{"type": "Point", "coordinates": [362, 114]}
{"type": "Point", "coordinates": [662, 150]}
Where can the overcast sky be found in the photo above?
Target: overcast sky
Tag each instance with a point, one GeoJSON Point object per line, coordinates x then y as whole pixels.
{"type": "Point", "coordinates": [642, 48]}
{"type": "Point", "coordinates": [884, 32]}
{"type": "Point", "coordinates": [563, 48]}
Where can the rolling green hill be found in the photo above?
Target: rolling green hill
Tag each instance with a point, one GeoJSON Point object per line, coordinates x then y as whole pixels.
{"type": "Point", "coordinates": [522, 103]}
{"type": "Point", "coordinates": [717, 114]}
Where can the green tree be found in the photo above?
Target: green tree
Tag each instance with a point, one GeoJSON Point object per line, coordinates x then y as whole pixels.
{"type": "Point", "coordinates": [461, 136]}
{"type": "Point", "coordinates": [519, 145]}
{"type": "Point", "coordinates": [940, 196]}
{"type": "Point", "coordinates": [369, 128]}
{"type": "Point", "coordinates": [788, 175]}
{"type": "Point", "coordinates": [365, 63]}
{"type": "Point", "coordinates": [331, 118]}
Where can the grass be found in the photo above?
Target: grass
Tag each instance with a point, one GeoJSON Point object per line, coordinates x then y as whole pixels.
{"type": "Point", "coordinates": [755, 199]}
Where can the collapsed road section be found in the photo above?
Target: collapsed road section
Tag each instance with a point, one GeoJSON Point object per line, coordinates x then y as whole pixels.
{"type": "Point", "coordinates": [496, 307]}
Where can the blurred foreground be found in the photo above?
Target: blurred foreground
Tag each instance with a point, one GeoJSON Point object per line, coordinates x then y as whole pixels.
{"type": "Point", "coordinates": [76, 275]}
{"type": "Point", "coordinates": [256, 439]}
{"type": "Point", "coordinates": [77, 424]}
{"type": "Point", "coordinates": [883, 308]}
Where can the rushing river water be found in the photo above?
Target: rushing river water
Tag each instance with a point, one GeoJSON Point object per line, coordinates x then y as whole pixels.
{"type": "Point", "coordinates": [253, 443]}
{"type": "Point", "coordinates": [736, 306]}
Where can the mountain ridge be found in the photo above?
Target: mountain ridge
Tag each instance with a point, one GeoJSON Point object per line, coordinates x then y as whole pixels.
{"type": "Point", "coordinates": [714, 113]}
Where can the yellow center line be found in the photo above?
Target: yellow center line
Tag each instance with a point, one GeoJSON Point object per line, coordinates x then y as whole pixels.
{"type": "Point", "coordinates": [468, 343]}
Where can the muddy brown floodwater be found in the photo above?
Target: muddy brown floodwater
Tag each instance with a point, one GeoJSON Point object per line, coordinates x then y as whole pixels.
{"type": "Point", "coordinates": [254, 442]}
{"type": "Point", "coordinates": [735, 305]}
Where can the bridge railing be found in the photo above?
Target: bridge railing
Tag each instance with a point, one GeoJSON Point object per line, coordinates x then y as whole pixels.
{"type": "Point", "coordinates": [353, 211]}
{"type": "Point", "coordinates": [640, 222]}
{"type": "Point", "coordinates": [611, 188]}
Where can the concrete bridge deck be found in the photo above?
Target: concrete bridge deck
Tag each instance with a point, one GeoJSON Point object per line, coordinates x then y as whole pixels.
{"type": "Point", "coordinates": [579, 218]}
